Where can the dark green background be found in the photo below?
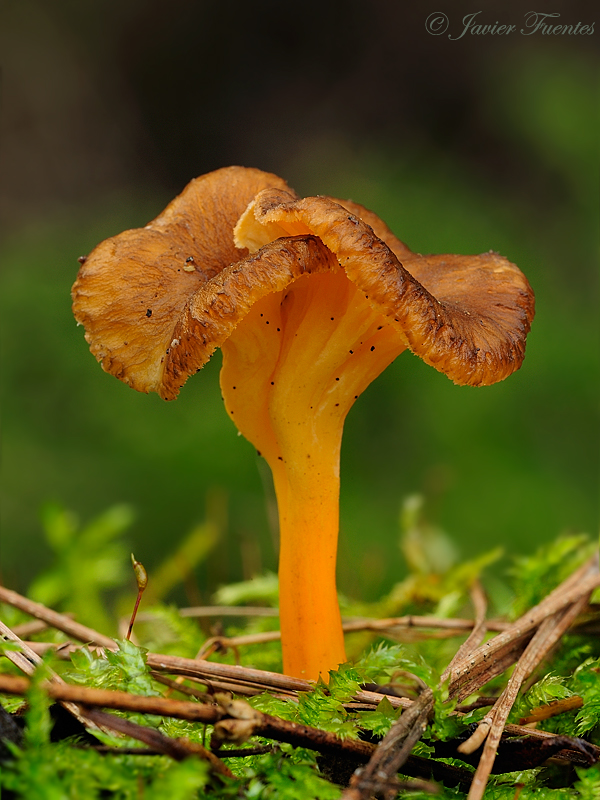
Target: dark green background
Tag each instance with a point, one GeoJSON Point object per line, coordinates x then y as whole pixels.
{"type": "Point", "coordinates": [461, 146]}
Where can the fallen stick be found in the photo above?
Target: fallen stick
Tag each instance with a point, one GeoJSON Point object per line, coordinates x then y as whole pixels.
{"type": "Point", "coordinates": [177, 749]}
{"type": "Point", "coordinates": [492, 726]}
{"type": "Point", "coordinates": [61, 622]}
{"type": "Point", "coordinates": [391, 753]}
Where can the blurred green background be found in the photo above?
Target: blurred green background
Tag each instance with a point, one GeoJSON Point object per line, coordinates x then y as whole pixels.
{"type": "Point", "coordinates": [460, 145]}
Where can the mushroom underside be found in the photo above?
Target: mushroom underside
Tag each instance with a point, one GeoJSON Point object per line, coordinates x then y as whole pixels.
{"type": "Point", "coordinates": [291, 371]}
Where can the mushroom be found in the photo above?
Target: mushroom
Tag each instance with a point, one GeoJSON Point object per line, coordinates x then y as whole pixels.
{"type": "Point", "coordinates": [309, 300]}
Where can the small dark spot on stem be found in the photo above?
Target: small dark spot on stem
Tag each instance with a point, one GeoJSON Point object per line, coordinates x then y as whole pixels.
{"type": "Point", "coordinates": [235, 387]}
{"type": "Point", "coordinates": [149, 312]}
{"type": "Point", "coordinates": [279, 458]}
{"type": "Point", "coordinates": [380, 327]}
{"type": "Point", "coordinates": [82, 259]}
{"type": "Point", "coordinates": [337, 404]}
{"type": "Point", "coordinates": [332, 319]}
{"type": "Point", "coordinates": [189, 260]}
{"type": "Point", "coordinates": [337, 379]}
{"type": "Point", "coordinates": [278, 329]}
{"type": "Point", "coordinates": [272, 383]}
{"type": "Point", "coordinates": [356, 397]}
{"type": "Point", "coordinates": [372, 347]}
{"type": "Point", "coordinates": [351, 352]}
{"type": "Point", "coordinates": [258, 453]}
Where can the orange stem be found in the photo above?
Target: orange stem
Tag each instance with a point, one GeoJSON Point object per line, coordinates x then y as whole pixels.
{"type": "Point", "coordinates": [308, 501]}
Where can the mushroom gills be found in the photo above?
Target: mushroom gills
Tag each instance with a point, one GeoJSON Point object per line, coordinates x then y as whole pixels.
{"type": "Point", "coordinates": [292, 370]}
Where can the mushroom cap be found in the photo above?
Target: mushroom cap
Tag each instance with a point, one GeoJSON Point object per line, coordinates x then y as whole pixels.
{"type": "Point", "coordinates": [133, 288]}
{"type": "Point", "coordinates": [466, 316]}
{"type": "Point", "coordinates": [157, 301]}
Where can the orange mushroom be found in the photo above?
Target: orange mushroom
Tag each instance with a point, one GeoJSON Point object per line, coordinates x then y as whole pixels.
{"type": "Point", "coordinates": [309, 301]}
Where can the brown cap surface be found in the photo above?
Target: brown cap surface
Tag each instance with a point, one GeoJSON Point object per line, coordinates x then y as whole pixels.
{"type": "Point", "coordinates": [467, 316]}
{"type": "Point", "coordinates": [132, 289]}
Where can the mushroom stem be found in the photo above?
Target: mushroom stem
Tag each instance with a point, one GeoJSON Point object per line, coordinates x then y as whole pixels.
{"type": "Point", "coordinates": [308, 503]}
{"type": "Point", "coordinates": [292, 370]}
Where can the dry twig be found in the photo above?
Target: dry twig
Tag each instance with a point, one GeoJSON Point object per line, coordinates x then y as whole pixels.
{"type": "Point", "coordinates": [391, 753]}
{"type": "Point", "coordinates": [548, 633]}
{"type": "Point", "coordinates": [232, 712]}
{"type": "Point", "coordinates": [177, 749]}
{"type": "Point", "coordinates": [62, 622]}
{"type": "Point", "coordinates": [495, 656]}
{"type": "Point", "coordinates": [28, 661]}
{"type": "Point", "coordinates": [477, 634]}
